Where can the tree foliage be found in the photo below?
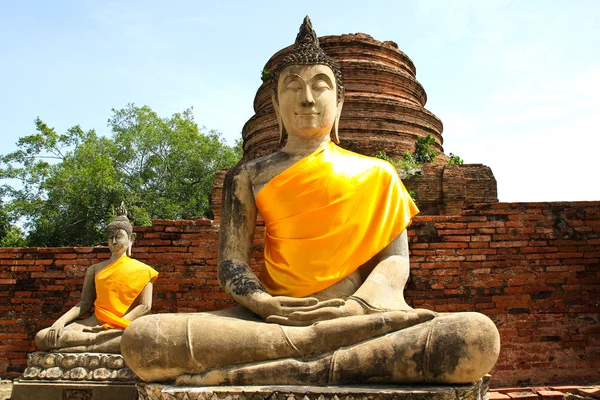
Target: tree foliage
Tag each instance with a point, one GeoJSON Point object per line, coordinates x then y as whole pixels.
{"type": "Point", "coordinates": [69, 183]}
{"type": "Point", "coordinates": [455, 160]}
{"type": "Point", "coordinates": [423, 152]}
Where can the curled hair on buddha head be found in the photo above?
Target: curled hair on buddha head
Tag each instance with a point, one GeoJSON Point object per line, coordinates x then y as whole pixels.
{"type": "Point", "coordinates": [121, 221]}
{"type": "Point", "coordinates": [306, 51]}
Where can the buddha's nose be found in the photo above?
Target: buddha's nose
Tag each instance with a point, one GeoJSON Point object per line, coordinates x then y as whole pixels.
{"type": "Point", "coordinates": [114, 240]}
{"type": "Point", "coordinates": [307, 98]}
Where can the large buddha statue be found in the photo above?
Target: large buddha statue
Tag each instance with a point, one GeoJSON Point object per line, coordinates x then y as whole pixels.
{"type": "Point", "coordinates": [119, 289]}
{"type": "Point", "coordinates": [328, 307]}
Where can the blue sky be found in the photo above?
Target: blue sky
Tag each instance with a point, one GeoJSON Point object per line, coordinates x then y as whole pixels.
{"type": "Point", "coordinates": [516, 83]}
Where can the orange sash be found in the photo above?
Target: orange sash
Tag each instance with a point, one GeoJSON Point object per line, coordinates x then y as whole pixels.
{"type": "Point", "coordinates": [326, 215]}
{"type": "Point", "coordinates": [117, 286]}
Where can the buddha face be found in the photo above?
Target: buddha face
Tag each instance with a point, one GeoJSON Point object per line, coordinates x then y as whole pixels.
{"type": "Point", "coordinates": [307, 97]}
{"type": "Point", "coordinates": [118, 241]}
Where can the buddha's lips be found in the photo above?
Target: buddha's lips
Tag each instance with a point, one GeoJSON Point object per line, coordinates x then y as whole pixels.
{"type": "Point", "coordinates": [307, 114]}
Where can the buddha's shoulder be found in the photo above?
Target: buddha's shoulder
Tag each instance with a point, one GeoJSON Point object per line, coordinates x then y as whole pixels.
{"type": "Point", "coordinates": [95, 268]}
{"type": "Point", "coordinates": [268, 166]}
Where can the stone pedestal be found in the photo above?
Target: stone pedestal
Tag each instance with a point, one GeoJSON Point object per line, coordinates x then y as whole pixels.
{"type": "Point", "coordinates": [474, 391]}
{"type": "Point", "coordinates": [89, 376]}
{"type": "Point", "coordinates": [63, 390]}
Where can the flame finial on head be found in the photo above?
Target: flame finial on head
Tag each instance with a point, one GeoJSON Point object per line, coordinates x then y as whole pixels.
{"type": "Point", "coordinates": [121, 221]}
{"type": "Point", "coordinates": [307, 34]}
{"type": "Point", "coordinates": [122, 210]}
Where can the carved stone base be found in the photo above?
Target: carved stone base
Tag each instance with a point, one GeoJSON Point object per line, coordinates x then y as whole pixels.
{"type": "Point", "coordinates": [75, 376]}
{"type": "Point", "coordinates": [474, 391]}
{"type": "Point", "coordinates": [29, 390]}
{"type": "Point", "coordinates": [77, 367]}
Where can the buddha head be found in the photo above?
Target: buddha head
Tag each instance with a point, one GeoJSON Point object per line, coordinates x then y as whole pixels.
{"type": "Point", "coordinates": [307, 89]}
{"type": "Point", "coordinates": [120, 233]}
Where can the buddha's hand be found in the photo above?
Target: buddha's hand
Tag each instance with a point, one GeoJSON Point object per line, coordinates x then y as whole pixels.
{"type": "Point", "coordinates": [352, 307]}
{"type": "Point", "coordinates": [54, 333]}
{"type": "Point", "coordinates": [321, 311]}
{"type": "Point", "coordinates": [276, 309]}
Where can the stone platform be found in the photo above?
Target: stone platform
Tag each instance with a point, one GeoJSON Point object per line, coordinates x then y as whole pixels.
{"type": "Point", "coordinates": [77, 376]}
{"type": "Point", "coordinates": [475, 391]}
{"type": "Point", "coordinates": [63, 390]}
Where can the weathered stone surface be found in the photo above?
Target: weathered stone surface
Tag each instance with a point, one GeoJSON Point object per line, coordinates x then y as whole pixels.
{"type": "Point", "coordinates": [32, 372]}
{"type": "Point", "coordinates": [78, 374]}
{"type": "Point", "coordinates": [77, 367]}
{"type": "Point", "coordinates": [114, 362]}
{"type": "Point", "coordinates": [101, 374]}
{"type": "Point", "coordinates": [28, 390]}
{"type": "Point", "coordinates": [47, 361]}
{"type": "Point", "coordinates": [92, 361]}
{"type": "Point", "coordinates": [125, 374]}
{"type": "Point", "coordinates": [475, 391]}
{"type": "Point", "coordinates": [69, 361]}
{"type": "Point", "coordinates": [53, 373]}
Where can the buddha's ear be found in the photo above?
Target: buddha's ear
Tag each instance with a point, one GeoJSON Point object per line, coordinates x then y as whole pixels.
{"type": "Point", "coordinates": [282, 132]}
{"type": "Point", "coordinates": [131, 240]}
{"type": "Point", "coordinates": [335, 136]}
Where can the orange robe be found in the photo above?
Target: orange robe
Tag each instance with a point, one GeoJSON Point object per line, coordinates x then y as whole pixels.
{"type": "Point", "coordinates": [117, 286]}
{"type": "Point", "coordinates": [326, 215]}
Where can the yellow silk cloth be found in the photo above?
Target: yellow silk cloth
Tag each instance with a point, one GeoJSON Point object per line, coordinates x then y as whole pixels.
{"type": "Point", "coordinates": [117, 286]}
{"type": "Point", "coordinates": [326, 215]}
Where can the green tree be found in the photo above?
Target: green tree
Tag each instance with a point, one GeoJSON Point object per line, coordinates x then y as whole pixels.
{"type": "Point", "coordinates": [160, 167]}
{"type": "Point", "coordinates": [454, 159]}
{"type": "Point", "coordinates": [423, 152]}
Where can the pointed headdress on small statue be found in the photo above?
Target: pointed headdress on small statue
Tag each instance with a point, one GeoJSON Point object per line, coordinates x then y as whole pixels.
{"type": "Point", "coordinates": [306, 51]}
{"type": "Point", "coordinates": [121, 221]}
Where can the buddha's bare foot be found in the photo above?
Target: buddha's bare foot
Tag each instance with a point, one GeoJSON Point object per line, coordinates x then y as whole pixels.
{"type": "Point", "coordinates": [425, 314]}
{"type": "Point", "coordinates": [399, 320]}
{"type": "Point", "coordinates": [276, 372]}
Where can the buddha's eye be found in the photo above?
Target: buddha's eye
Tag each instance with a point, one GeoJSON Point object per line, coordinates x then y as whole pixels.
{"type": "Point", "coordinates": [293, 86]}
{"type": "Point", "coordinates": [321, 85]}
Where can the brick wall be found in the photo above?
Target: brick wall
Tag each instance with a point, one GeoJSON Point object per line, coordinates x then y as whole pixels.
{"type": "Point", "coordinates": [532, 267]}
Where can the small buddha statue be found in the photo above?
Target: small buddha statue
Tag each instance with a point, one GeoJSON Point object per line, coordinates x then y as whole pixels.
{"type": "Point", "coordinates": [118, 289]}
{"type": "Point", "coordinates": [328, 307]}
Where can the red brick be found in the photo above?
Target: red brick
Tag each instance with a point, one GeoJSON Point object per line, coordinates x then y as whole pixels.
{"type": "Point", "coordinates": [510, 389]}
{"type": "Point", "coordinates": [69, 256]}
{"type": "Point", "coordinates": [590, 392]}
{"type": "Point", "coordinates": [48, 275]}
{"type": "Point", "coordinates": [486, 224]}
{"type": "Point", "coordinates": [497, 396]}
{"type": "Point", "coordinates": [522, 395]}
{"type": "Point", "coordinates": [566, 388]}
{"type": "Point", "coordinates": [551, 395]}
{"type": "Point", "coordinates": [457, 238]}
{"type": "Point", "coordinates": [479, 245]}
{"type": "Point", "coordinates": [481, 238]}
{"type": "Point", "coordinates": [521, 243]}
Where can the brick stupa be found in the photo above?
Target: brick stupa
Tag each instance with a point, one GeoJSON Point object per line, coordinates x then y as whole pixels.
{"type": "Point", "coordinates": [384, 110]}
